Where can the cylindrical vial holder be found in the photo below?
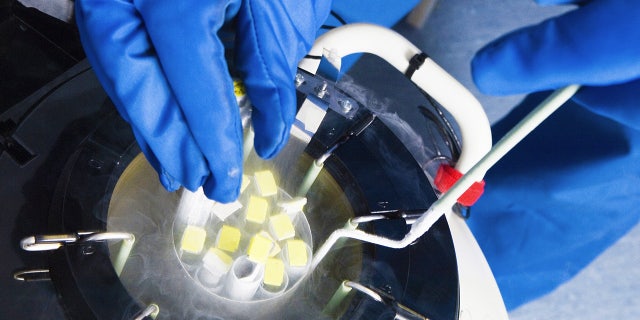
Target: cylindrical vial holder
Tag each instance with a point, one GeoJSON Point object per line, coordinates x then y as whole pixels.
{"type": "Point", "coordinates": [295, 271]}
{"type": "Point", "coordinates": [267, 291]}
{"type": "Point", "coordinates": [243, 279]}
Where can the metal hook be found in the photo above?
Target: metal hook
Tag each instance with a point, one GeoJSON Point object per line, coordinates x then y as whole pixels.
{"type": "Point", "coordinates": [32, 275]}
{"type": "Point", "coordinates": [53, 242]}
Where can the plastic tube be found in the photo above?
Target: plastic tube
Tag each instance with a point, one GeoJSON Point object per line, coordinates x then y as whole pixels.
{"type": "Point", "coordinates": [123, 254]}
{"type": "Point", "coordinates": [310, 178]}
{"type": "Point", "coordinates": [336, 300]}
{"type": "Point", "coordinates": [266, 292]}
{"type": "Point", "coordinates": [243, 279]}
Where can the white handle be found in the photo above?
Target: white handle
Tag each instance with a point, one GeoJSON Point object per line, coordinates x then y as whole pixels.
{"type": "Point", "coordinates": [398, 51]}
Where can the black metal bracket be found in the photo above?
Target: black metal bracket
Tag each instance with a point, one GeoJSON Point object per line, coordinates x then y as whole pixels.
{"type": "Point", "coordinates": [11, 145]}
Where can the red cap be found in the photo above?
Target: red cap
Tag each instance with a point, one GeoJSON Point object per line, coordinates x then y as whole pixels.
{"type": "Point", "coordinates": [447, 176]}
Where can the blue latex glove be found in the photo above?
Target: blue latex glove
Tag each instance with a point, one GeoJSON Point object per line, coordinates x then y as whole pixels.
{"type": "Point", "coordinates": [570, 189]}
{"type": "Point", "coordinates": [162, 63]}
{"type": "Point", "coordinates": [596, 45]}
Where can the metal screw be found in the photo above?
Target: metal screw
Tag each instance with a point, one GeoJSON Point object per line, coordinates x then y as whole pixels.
{"type": "Point", "coordinates": [383, 204]}
{"type": "Point", "coordinates": [88, 250]}
{"type": "Point", "coordinates": [386, 288]}
{"type": "Point", "coordinates": [322, 90]}
{"type": "Point", "coordinates": [96, 164]}
{"type": "Point", "coordinates": [346, 105]}
{"type": "Point", "coordinates": [299, 79]}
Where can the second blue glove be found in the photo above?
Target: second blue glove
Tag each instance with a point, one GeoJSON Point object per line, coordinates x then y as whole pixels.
{"type": "Point", "coordinates": [597, 45]}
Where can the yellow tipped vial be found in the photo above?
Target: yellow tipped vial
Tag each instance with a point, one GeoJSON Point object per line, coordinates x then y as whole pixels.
{"type": "Point", "coordinates": [259, 248]}
{"type": "Point", "coordinates": [257, 210]}
{"type": "Point", "coordinates": [297, 253]}
{"type": "Point", "coordinates": [193, 239]}
{"type": "Point", "coordinates": [266, 183]}
{"type": "Point", "coordinates": [239, 89]}
{"type": "Point", "coordinates": [228, 238]}
{"type": "Point", "coordinates": [273, 272]}
{"type": "Point", "coordinates": [281, 227]}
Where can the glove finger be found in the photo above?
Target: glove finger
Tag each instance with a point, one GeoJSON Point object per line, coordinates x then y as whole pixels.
{"type": "Point", "coordinates": [192, 57]}
{"type": "Point", "coordinates": [276, 35]}
{"type": "Point", "coordinates": [558, 2]}
{"type": "Point", "coordinates": [594, 45]}
{"type": "Point", "coordinates": [165, 179]}
{"type": "Point", "coordinates": [617, 102]}
{"type": "Point", "coordinates": [118, 47]}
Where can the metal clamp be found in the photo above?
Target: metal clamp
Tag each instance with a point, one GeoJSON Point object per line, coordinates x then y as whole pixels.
{"type": "Point", "coordinates": [53, 242]}
{"type": "Point", "coordinates": [325, 91]}
{"type": "Point", "coordinates": [318, 164]}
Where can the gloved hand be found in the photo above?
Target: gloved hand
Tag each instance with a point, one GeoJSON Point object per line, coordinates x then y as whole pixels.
{"type": "Point", "coordinates": [163, 65]}
{"type": "Point", "coordinates": [596, 45]}
{"type": "Point", "coordinates": [569, 190]}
